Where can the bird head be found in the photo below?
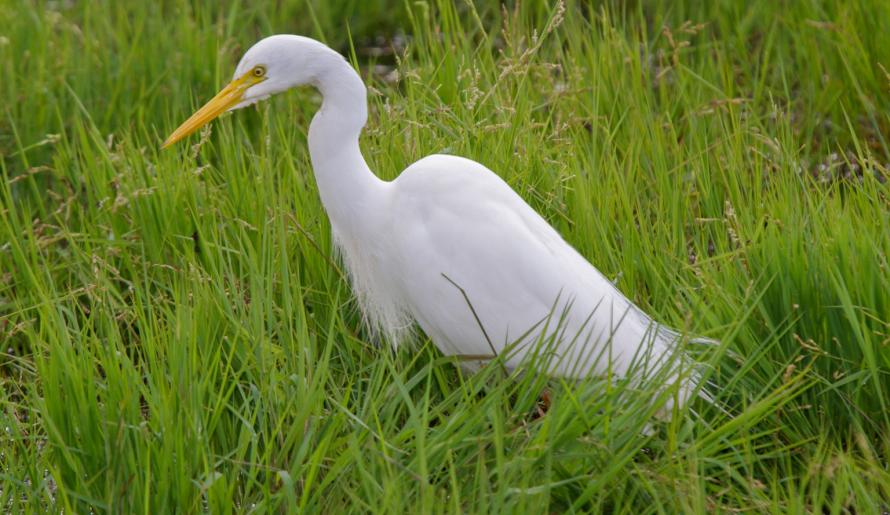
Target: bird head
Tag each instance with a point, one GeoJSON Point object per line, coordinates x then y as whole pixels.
{"type": "Point", "coordinates": [274, 64]}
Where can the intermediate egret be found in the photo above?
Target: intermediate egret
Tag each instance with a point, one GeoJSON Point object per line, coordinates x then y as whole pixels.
{"type": "Point", "coordinates": [448, 244]}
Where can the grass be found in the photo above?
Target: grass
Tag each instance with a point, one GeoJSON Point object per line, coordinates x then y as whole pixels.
{"type": "Point", "coordinates": [177, 336]}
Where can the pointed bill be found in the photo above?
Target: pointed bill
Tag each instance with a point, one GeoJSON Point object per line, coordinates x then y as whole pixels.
{"type": "Point", "coordinates": [228, 97]}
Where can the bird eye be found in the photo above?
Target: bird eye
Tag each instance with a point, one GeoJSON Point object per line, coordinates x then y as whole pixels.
{"type": "Point", "coordinates": [259, 71]}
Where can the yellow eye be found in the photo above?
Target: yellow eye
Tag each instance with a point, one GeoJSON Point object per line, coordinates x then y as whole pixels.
{"type": "Point", "coordinates": [259, 71]}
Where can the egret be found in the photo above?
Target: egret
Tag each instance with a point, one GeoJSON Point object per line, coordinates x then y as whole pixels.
{"type": "Point", "coordinates": [448, 245]}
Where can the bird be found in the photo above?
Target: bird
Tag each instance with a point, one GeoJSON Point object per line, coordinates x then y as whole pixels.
{"type": "Point", "coordinates": [450, 247]}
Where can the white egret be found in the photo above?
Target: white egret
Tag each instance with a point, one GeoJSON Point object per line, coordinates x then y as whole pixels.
{"type": "Point", "coordinates": [448, 244]}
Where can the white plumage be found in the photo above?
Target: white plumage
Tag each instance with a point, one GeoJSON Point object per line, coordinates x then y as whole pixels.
{"type": "Point", "coordinates": [448, 244]}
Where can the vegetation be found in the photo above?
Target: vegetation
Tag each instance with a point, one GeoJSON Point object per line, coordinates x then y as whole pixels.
{"type": "Point", "coordinates": [177, 335]}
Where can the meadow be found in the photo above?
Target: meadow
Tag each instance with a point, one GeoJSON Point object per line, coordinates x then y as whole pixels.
{"type": "Point", "coordinates": [177, 335]}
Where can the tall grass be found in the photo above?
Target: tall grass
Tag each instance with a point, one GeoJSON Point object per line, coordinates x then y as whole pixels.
{"type": "Point", "coordinates": [177, 336]}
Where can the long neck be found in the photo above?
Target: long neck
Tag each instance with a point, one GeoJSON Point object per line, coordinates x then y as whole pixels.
{"type": "Point", "coordinates": [347, 186]}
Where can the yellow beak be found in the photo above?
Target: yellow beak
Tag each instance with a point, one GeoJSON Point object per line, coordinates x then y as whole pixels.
{"type": "Point", "coordinates": [228, 97]}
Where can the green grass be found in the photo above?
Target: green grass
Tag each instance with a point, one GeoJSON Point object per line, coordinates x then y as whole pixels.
{"type": "Point", "coordinates": [177, 335]}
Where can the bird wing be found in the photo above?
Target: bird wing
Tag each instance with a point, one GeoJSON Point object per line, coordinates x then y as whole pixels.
{"type": "Point", "coordinates": [475, 258]}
